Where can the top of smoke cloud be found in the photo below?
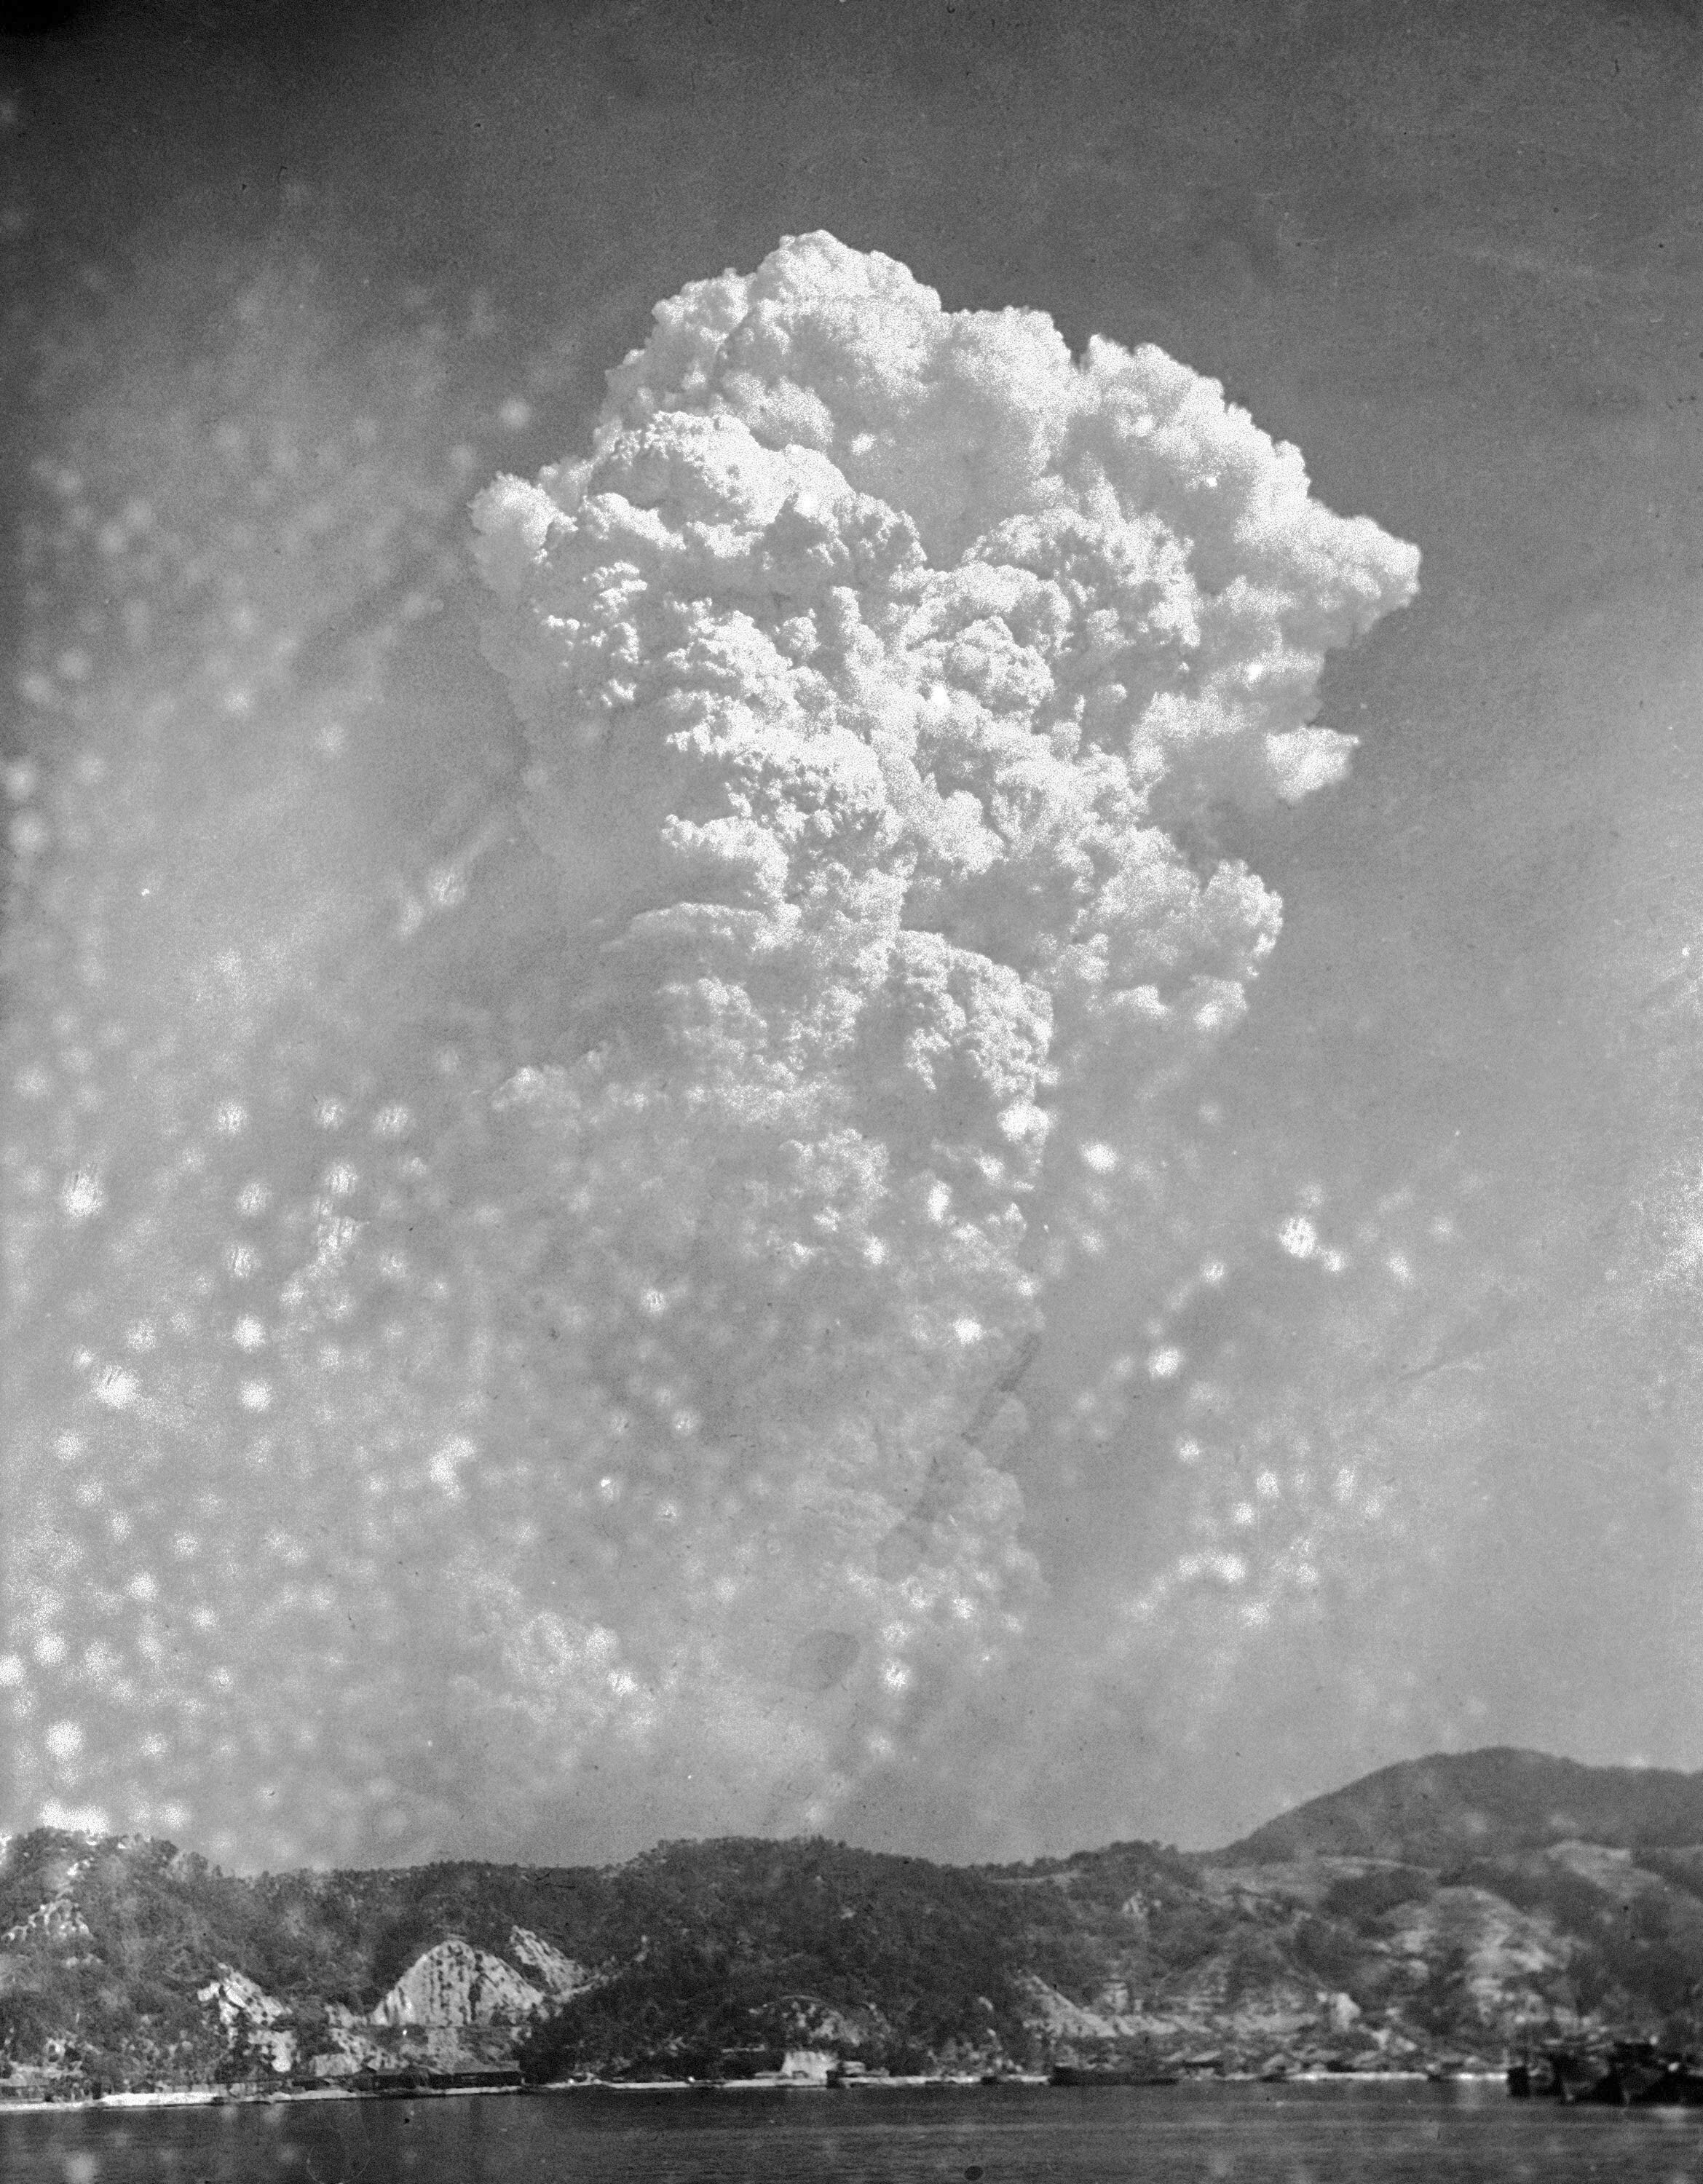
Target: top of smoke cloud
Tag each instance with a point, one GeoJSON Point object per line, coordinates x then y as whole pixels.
{"type": "Point", "coordinates": [875, 663]}
{"type": "Point", "coordinates": [1138, 519]}
{"type": "Point", "coordinates": [882, 621]}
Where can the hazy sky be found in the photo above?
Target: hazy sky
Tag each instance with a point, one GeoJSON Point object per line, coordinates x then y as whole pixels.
{"type": "Point", "coordinates": [1373, 1428]}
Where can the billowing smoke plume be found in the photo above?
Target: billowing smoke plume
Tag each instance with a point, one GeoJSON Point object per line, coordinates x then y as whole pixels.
{"type": "Point", "coordinates": [527, 1242]}
{"type": "Point", "coordinates": [881, 668]}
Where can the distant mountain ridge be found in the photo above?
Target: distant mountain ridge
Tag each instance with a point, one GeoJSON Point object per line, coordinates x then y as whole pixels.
{"type": "Point", "coordinates": [1456, 1909]}
{"type": "Point", "coordinates": [1485, 1803]}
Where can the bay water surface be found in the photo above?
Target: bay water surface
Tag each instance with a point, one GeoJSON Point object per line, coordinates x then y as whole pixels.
{"type": "Point", "coordinates": [982, 2135]}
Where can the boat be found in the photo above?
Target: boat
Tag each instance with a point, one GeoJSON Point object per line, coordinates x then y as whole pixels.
{"type": "Point", "coordinates": [1633, 2074]}
{"type": "Point", "coordinates": [1641, 2075]}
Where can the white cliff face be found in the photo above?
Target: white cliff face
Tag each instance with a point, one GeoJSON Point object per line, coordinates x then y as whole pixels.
{"type": "Point", "coordinates": [240, 1999]}
{"type": "Point", "coordinates": [1057, 2014]}
{"type": "Point", "coordinates": [456, 1984]}
{"type": "Point", "coordinates": [58, 1921]}
{"type": "Point", "coordinates": [1506, 1950]}
{"type": "Point", "coordinates": [560, 1975]}
{"type": "Point", "coordinates": [246, 2009]}
{"type": "Point", "coordinates": [454, 2008]}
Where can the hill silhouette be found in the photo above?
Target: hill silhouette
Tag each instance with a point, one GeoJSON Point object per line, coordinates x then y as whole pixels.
{"type": "Point", "coordinates": [1463, 1906]}
{"type": "Point", "coordinates": [1483, 1804]}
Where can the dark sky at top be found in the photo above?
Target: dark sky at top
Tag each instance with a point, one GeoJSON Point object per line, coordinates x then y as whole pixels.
{"type": "Point", "coordinates": [286, 287]}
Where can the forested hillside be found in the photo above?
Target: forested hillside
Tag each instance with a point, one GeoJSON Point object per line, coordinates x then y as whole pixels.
{"type": "Point", "coordinates": [1490, 1802]}
{"type": "Point", "coordinates": [1460, 1907]}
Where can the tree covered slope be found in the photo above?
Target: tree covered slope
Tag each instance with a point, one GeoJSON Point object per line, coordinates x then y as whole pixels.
{"type": "Point", "coordinates": [1485, 1803]}
{"type": "Point", "coordinates": [1459, 1907]}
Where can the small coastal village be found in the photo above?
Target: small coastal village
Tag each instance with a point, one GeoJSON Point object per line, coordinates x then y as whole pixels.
{"type": "Point", "coordinates": [1496, 1916]}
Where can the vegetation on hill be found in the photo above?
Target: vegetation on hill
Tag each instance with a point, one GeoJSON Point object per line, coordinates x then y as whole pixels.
{"type": "Point", "coordinates": [1460, 1805]}
{"type": "Point", "coordinates": [1461, 1906]}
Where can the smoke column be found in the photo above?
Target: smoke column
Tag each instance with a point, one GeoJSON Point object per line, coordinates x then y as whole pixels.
{"type": "Point", "coordinates": [880, 668]}
{"type": "Point", "coordinates": [525, 1236]}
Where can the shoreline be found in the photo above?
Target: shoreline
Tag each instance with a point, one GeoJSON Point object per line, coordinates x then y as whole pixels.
{"type": "Point", "coordinates": [204, 2097]}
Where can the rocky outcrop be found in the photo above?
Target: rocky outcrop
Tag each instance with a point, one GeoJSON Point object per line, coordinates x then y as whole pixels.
{"type": "Point", "coordinates": [251, 2019]}
{"type": "Point", "coordinates": [559, 1975]}
{"type": "Point", "coordinates": [457, 1985]}
{"type": "Point", "coordinates": [58, 1925]}
{"type": "Point", "coordinates": [1505, 1956]}
{"type": "Point", "coordinates": [1056, 2014]}
{"type": "Point", "coordinates": [455, 2011]}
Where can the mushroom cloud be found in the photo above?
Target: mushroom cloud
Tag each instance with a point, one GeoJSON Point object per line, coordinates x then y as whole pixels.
{"type": "Point", "coordinates": [881, 667]}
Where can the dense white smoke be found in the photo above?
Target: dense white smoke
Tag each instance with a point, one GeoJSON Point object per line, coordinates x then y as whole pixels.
{"type": "Point", "coordinates": [524, 1242]}
{"type": "Point", "coordinates": [881, 668]}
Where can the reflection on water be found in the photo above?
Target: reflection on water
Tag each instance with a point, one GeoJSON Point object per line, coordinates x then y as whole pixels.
{"type": "Point", "coordinates": [1251, 2135]}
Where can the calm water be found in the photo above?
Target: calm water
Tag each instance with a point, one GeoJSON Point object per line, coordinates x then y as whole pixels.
{"type": "Point", "coordinates": [1252, 2135]}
